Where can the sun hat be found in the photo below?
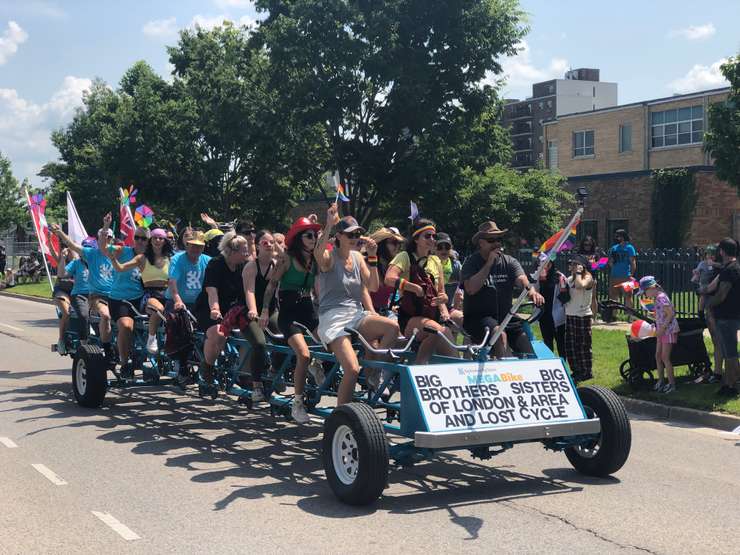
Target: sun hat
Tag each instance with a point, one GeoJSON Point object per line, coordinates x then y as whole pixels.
{"type": "Point", "coordinates": [299, 226]}
{"type": "Point", "coordinates": [647, 282]}
{"type": "Point", "coordinates": [488, 230]}
{"type": "Point", "coordinates": [385, 233]}
{"type": "Point", "coordinates": [212, 233]}
{"type": "Point", "coordinates": [196, 238]}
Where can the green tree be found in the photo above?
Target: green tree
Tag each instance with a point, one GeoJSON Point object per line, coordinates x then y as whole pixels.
{"type": "Point", "coordinates": [723, 139]}
{"type": "Point", "coordinates": [396, 87]}
{"type": "Point", "coordinates": [12, 205]}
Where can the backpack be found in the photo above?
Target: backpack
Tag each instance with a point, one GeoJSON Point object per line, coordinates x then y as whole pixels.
{"type": "Point", "coordinates": [412, 305]}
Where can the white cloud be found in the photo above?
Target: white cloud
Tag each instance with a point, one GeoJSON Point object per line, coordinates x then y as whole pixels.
{"type": "Point", "coordinates": [520, 71]}
{"type": "Point", "coordinates": [209, 22]}
{"type": "Point", "coordinates": [13, 36]}
{"type": "Point", "coordinates": [699, 78]}
{"type": "Point", "coordinates": [160, 28]}
{"type": "Point", "coordinates": [226, 4]}
{"type": "Point", "coordinates": [694, 32]}
{"type": "Point", "coordinates": [26, 126]}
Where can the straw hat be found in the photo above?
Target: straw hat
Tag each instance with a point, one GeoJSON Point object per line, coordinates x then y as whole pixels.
{"type": "Point", "coordinates": [386, 233]}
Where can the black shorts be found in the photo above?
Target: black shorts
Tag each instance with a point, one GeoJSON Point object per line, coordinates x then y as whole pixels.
{"type": "Point", "coordinates": [120, 309]}
{"type": "Point", "coordinates": [203, 316]}
{"type": "Point", "coordinates": [62, 290]}
{"type": "Point", "coordinates": [296, 308]}
{"type": "Point", "coordinates": [156, 293]}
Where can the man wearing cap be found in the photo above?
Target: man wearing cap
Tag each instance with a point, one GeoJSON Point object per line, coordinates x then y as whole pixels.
{"type": "Point", "coordinates": [489, 277]}
{"type": "Point", "coordinates": [100, 276]}
{"type": "Point", "coordinates": [187, 270]}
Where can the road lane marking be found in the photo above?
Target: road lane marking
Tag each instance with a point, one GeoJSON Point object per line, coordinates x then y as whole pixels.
{"type": "Point", "coordinates": [15, 328]}
{"type": "Point", "coordinates": [49, 475]}
{"type": "Point", "coordinates": [117, 526]}
{"type": "Point", "coordinates": [9, 443]}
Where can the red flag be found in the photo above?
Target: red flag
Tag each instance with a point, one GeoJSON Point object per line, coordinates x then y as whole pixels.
{"type": "Point", "coordinates": [127, 224]}
{"type": "Point", "coordinates": [47, 240]}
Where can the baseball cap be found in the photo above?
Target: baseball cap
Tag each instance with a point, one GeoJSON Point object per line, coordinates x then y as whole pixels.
{"type": "Point", "coordinates": [348, 224]}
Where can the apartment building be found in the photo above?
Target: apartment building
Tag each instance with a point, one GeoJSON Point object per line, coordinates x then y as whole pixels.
{"type": "Point", "coordinates": [579, 91]}
{"type": "Point", "coordinates": [613, 152]}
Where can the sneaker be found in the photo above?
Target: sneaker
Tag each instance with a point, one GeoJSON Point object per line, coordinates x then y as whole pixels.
{"type": "Point", "coordinates": [183, 380]}
{"type": "Point", "coordinates": [258, 398]}
{"type": "Point", "coordinates": [317, 371]}
{"type": "Point", "coordinates": [127, 371]}
{"type": "Point", "coordinates": [151, 345]}
{"type": "Point", "coordinates": [61, 347]}
{"type": "Point", "coordinates": [669, 388]}
{"type": "Point", "coordinates": [110, 352]}
{"type": "Point", "coordinates": [206, 374]}
{"type": "Point", "coordinates": [298, 412]}
{"type": "Point", "coordinates": [659, 385]}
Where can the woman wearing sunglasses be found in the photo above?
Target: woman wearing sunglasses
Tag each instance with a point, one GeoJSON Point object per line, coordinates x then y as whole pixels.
{"type": "Point", "coordinates": [295, 275]}
{"type": "Point", "coordinates": [419, 278]}
{"type": "Point", "coordinates": [127, 288]}
{"type": "Point", "coordinates": [389, 243]}
{"type": "Point", "coordinates": [256, 278]}
{"type": "Point", "coordinates": [344, 300]}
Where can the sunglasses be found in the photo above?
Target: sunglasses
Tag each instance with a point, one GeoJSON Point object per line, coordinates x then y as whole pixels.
{"type": "Point", "coordinates": [267, 243]}
{"type": "Point", "coordinates": [443, 247]}
{"type": "Point", "coordinates": [140, 238]}
{"type": "Point", "coordinates": [354, 235]}
{"type": "Point", "coordinates": [309, 235]}
{"type": "Point", "coordinates": [493, 240]}
{"type": "Point", "coordinates": [432, 236]}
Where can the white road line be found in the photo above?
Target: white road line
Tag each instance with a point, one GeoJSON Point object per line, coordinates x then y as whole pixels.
{"type": "Point", "coordinates": [117, 526]}
{"type": "Point", "coordinates": [9, 443]}
{"type": "Point", "coordinates": [15, 328]}
{"type": "Point", "coordinates": [49, 475]}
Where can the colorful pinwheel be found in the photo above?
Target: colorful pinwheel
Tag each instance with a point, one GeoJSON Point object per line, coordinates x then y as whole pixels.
{"type": "Point", "coordinates": [38, 201]}
{"type": "Point", "coordinates": [144, 216]}
{"type": "Point", "coordinates": [129, 196]}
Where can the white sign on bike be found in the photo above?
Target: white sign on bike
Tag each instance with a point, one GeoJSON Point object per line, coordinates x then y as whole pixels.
{"type": "Point", "coordinates": [495, 394]}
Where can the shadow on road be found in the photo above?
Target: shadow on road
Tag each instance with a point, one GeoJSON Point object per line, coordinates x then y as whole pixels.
{"type": "Point", "coordinates": [218, 440]}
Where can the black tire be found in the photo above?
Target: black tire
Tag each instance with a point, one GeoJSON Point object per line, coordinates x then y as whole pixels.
{"type": "Point", "coordinates": [625, 369]}
{"type": "Point", "coordinates": [89, 376]}
{"type": "Point", "coordinates": [355, 429]}
{"type": "Point", "coordinates": [609, 453]}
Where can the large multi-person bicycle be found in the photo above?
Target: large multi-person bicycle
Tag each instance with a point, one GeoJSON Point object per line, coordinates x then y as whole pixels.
{"type": "Point", "coordinates": [473, 403]}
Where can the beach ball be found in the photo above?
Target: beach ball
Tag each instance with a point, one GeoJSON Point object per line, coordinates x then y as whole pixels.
{"type": "Point", "coordinates": [640, 329]}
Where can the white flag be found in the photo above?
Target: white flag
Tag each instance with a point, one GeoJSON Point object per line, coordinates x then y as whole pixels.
{"type": "Point", "coordinates": [76, 230]}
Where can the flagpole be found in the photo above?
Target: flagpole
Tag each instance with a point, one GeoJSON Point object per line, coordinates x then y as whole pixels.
{"type": "Point", "coordinates": [38, 238]}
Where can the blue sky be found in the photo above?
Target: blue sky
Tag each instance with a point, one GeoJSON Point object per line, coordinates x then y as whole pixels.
{"type": "Point", "coordinates": [51, 49]}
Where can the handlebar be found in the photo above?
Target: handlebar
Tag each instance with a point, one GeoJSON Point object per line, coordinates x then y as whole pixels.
{"type": "Point", "coordinates": [471, 349]}
{"type": "Point", "coordinates": [274, 336]}
{"type": "Point", "coordinates": [392, 353]}
{"type": "Point", "coordinates": [308, 332]}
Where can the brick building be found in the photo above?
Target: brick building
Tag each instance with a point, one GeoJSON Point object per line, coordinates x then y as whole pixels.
{"type": "Point", "coordinates": [613, 152]}
{"type": "Point", "coordinates": [580, 91]}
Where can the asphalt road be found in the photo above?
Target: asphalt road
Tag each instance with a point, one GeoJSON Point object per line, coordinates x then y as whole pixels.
{"type": "Point", "coordinates": [157, 471]}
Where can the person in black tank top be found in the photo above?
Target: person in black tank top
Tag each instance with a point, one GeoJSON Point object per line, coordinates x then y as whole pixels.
{"type": "Point", "coordinates": [256, 277]}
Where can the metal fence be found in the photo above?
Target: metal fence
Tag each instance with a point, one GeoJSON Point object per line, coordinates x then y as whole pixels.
{"type": "Point", "coordinates": [14, 250]}
{"type": "Point", "coordinates": [671, 267]}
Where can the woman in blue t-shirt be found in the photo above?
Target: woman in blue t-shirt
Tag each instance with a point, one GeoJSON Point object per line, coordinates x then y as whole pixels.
{"type": "Point", "coordinates": [622, 266]}
{"type": "Point", "coordinates": [126, 293]}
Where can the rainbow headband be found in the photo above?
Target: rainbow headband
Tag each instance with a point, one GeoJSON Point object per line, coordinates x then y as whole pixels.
{"type": "Point", "coordinates": [423, 229]}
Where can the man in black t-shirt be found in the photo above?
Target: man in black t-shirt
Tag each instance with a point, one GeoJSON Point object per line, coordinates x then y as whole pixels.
{"type": "Point", "coordinates": [725, 305]}
{"type": "Point", "coordinates": [489, 277]}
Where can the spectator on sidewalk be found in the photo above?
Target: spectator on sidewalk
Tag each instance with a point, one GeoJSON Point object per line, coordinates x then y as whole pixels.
{"type": "Point", "coordinates": [622, 266]}
{"type": "Point", "coordinates": [726, 307]}
{"type": "Point", "coordinates": [666, 333]}
{"type": "Point", "coordinates": [3, 259]}
{"type": "Point", "coordinates": [593, 254]}
{"type": "Point", "coordinates": [552, 286]}
{"type": "Point", "coordinates": [703, 275]}
{"type": "Point", "coordinates": [578, 319]}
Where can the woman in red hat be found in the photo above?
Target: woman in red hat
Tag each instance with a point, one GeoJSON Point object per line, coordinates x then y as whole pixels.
{"type": "Point", "coordinates": [295, 275]}
{"type": "Point", "coordinates": [419, 277]}
{"type": "Point", "coordinates": [344, 302]}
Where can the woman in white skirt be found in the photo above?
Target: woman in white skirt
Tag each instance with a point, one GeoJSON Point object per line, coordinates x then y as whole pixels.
{"type": "Point", "coordinates": [345, 280]}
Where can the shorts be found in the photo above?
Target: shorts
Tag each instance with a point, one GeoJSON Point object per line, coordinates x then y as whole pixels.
{"type": "Point", "coordinates": [668, 339]}
{"type": "Point", "coordinates": [296, 309]}
{"type": "Point", "coordinates": [62, 291]}
{"type": "Point", "coordinates": [727, 335]}
{"type": "Point", "coordinates": [203, 316]}
{"type": "Point", "coordinates": [332, 322]}
{"type": "Point", "coordinates": [156, 293]}
{"type": "Point", "coordinates": [95, 298]}
{"type": "Point", "coordinates": [121, 309]}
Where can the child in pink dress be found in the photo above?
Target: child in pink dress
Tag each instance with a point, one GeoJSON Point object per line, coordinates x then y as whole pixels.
{"type": "Point", "coordinates": [666, 332]}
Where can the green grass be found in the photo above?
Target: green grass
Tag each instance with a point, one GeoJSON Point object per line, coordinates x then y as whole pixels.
{"type": "Point", "coordinates": [610, 350]}
{"type": "Point", "coordinates": [40, 289]}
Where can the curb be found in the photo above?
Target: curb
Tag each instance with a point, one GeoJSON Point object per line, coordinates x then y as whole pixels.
{"type": "Point", "coordinates": [718, 420]}
{"type": "Point", "coordinates": [26, 297]}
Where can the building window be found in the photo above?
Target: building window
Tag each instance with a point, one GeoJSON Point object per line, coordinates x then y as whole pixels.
{"type": "Point", "coordinates": [583, 143]}
{"type": "Point", "coordinates": [682, 126]}
{"type": "Point", "coordinates": [611, 227]}
{"type": "Point", "coordinates": [625, 137]}
{"type": "Point", "coordinates": [552, 155]}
